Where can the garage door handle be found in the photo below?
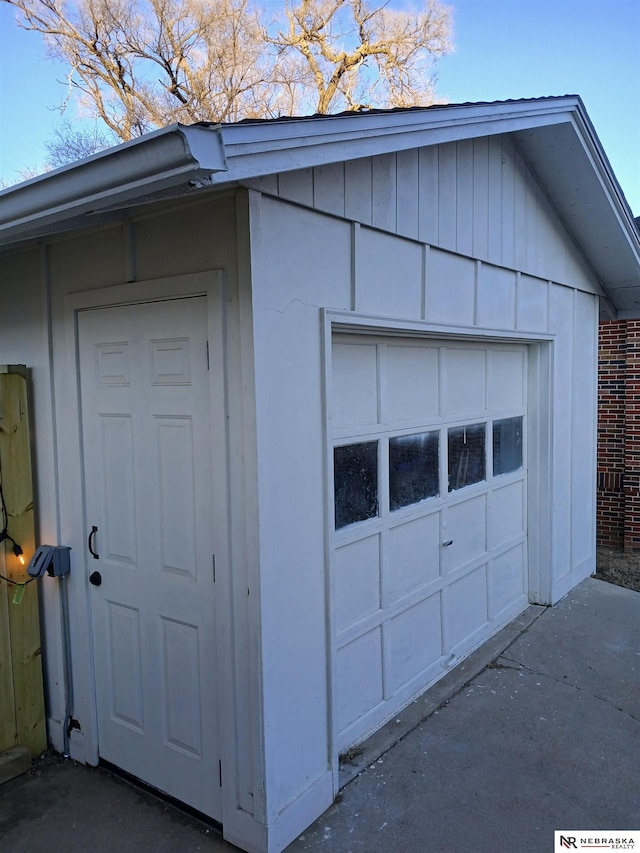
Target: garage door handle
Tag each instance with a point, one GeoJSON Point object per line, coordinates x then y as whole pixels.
{"type": "Point", "coordinates": [93, 553]}
{"type": "Point", "coordinates": [447, 543]}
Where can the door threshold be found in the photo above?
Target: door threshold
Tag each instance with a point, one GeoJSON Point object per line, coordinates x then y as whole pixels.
{"type": "Point", "coordinates": [141, 785]}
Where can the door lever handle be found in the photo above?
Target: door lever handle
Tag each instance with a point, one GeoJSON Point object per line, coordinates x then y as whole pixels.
{"type": "Point", "coordinates": [447, 543]}
{"type": "Point", "coordinates": [90, 542]}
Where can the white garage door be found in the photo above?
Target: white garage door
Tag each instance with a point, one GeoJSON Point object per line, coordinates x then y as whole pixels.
{"type": "Point", "coordinates": [430, 514]}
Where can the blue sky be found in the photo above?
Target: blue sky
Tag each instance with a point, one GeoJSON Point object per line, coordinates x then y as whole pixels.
{"type": "Point", "coordinates": [504, 49]}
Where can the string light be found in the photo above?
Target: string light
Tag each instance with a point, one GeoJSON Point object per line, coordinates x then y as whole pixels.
{"type": "Point", "coordinates": [5, 537]}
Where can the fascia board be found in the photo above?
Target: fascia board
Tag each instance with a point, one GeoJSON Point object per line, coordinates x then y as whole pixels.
{"type": "Point", "coordinates": [172, 156]}
{"type": "Point", "coordinates": [575, 174]}
{"type": "Point", "coordinates": [389, 122]}
{"type": "Point", "coordinates": [261, 149]}
{"type": "Point", "coordinates": [602, 168]}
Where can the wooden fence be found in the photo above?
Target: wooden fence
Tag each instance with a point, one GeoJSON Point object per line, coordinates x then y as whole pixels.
{"type": "Point", "coordinates": [22, 716]}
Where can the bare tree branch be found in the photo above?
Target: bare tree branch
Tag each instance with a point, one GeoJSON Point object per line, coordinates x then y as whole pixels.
{"type": "Point", "coordinates": [336, 38]}
{"type": "Point", "coordinates": [142, 64]}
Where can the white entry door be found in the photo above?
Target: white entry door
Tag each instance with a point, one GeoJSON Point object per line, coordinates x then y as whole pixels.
{"type": "Point", "coordinates": [149, 486]}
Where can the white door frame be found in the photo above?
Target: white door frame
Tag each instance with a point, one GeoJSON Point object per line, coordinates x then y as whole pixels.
{"type": "Point", "coordinates": [539, 448]}
{"type": "Point", "coordinates": [70, 473]}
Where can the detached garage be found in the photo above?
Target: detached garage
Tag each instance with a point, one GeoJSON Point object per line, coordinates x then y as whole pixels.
{"type": "Point", "coordinates": [314, 406]}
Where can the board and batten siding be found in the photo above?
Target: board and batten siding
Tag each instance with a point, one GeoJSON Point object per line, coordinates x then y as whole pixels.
{"type": "Point", "coordinates": [155, 244]}
{"type": "Point", "coordinates": [489, 279]}
{"type": "Point", "coordinates": [476, 197]}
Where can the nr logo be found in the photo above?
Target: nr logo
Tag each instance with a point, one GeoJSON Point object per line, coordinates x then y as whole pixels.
{"type": "Point", "coordinates": [568, 841]}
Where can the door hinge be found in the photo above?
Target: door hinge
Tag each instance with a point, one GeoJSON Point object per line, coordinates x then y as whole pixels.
{"type": "Point", "coordinates": [220, 772]}
{"type": "Point", "coordinates": [207, 355]}
{"type": "Point", "coordinates": [213, 560]}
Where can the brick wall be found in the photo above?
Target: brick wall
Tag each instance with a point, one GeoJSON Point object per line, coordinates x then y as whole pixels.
{"type": "Point", "coordinates": [618, 501]}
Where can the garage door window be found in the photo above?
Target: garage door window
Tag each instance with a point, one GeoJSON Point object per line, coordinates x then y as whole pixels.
{"type": "Point", "coordinates": [466, 449]}
{"type": "Point", "coordinates": [413, 468]}
{"type": "Point", "coordinates": [356, 482]}
{"type": "Point", "coordinates": [507, 445]}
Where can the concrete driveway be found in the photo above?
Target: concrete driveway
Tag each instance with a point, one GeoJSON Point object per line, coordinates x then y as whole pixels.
{"type": "Point", "coordinates": [538, 730]}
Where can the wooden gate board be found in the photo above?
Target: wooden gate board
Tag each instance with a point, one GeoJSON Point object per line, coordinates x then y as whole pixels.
{"type": "Point", "coordinates": [22, 715]}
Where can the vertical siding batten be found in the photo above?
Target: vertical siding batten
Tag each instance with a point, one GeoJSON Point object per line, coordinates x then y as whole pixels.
{"type": "Point", "coordinates": [429, 195]}
{"type": "Point", "coordinates": [408, 193]}
{"type": "Point", "coordinates": [477, 284]}
{"type": "Point", "coordinates": [385, 193]}
{"type": "Point", "coordinates": [583, 435]}
{"type": "Point", "coordinates": [562, 307]}
{"type": "Point", "coordinates": [464, 197]}
{"type": "Point", "coordinates": [425, 277]}
{"type": "Point", "coordinates": [520, 209]}
{"type": "Point", "coordinates": [508, 255]}
{"type": "Point", "coordinates": [329, 188]}
{"type": "Point", "coordinates": [355, 254]}
{"type": "Point", "coordinates": [494, 212]}
{"type": "Point", "coordinates": [447, 197]}
{"type": "Point", "coordinates": [481, 198]}
{"type": "Point", "coordinates": [358, 190]}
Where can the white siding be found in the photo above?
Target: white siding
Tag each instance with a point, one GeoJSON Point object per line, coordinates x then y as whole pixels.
{"type": "Point", "coordinates": [33, 299]}
{"type": "Point", "coordinates": [476, 197]}
{"type": "Point", "coordinates": [386, 275]}
{"type": "Point", "coordinates": [305, 267]}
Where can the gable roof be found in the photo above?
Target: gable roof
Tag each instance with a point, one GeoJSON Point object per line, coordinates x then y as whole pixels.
{"type": "Point", "coordinates": [554, 135]}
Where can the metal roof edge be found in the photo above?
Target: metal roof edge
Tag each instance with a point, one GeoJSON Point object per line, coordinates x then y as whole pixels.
{"type": "Point", "coordinates": [602, 166]}
{"type": "Point", "coordinates": [256, 149]}
{"type": "Point", "coordinates": [174, 155]}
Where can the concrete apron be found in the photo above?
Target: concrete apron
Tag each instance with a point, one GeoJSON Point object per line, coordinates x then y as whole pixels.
{"type": "Point", "coordinates": [537, 730]}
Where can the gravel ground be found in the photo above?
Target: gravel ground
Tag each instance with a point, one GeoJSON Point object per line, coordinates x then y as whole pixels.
{"type": "Point", "coordinates": [618, 567]}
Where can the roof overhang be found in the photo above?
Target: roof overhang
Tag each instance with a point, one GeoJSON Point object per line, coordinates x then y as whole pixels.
{"type": "Point", "coordinates": [62, 200]}
{"type": "Point", "coordinates": [554, 135]}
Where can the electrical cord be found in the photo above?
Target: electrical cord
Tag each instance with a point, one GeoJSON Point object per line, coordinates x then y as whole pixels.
{"type": "Point", "coordinates": [4, 536]}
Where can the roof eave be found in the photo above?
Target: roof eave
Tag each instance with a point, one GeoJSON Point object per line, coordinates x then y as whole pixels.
{"type": "Point", "coordinates": [173, 156]}
{"type": "Point", "coordinates": [576, 176]}
{"type": "Point", "coordinates": [282, 146]}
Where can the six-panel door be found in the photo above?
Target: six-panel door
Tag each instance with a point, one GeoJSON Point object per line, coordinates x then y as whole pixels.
{"type": "Point", "coordinates": [148, 489]}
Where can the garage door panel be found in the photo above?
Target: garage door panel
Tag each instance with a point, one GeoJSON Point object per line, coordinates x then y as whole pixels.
{"type": "Point", "coordinates": [506, 513]}
{"type": "Point", "coordinates": [463, 382]}
{"type": "Point", "coordinates": [412, 556]}
{"type": "Point", "coordinates": [359, 677]}
{"type": "Point", "coordinates": [465, 528]}
{"type": "Point", "coordinates": [356, 581]}
{"type": "Point", "coordinates": [354, 385]}
{"type": "Point", "coordinates": [506, 383]}
{"type": "Point", "coordinates": [415, 641]}
{"type": "Point", "coordinates": [507, 580]}
{"type": "Point", "coordinates": [412, 387]}
{"type": "Point", "coordinates": [465, 607]}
